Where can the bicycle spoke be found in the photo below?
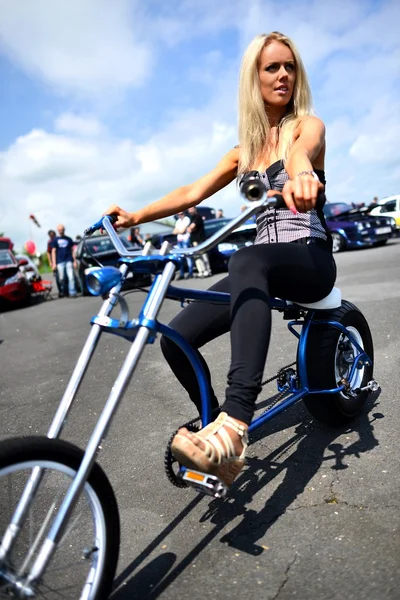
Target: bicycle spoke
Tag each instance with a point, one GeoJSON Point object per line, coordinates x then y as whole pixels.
{"type": "Point", "coordinates": [42, 529]}
{"type": "Point", "coordinates": [57, 591]}
{"type": "Point", "coordinates": [70, 528]}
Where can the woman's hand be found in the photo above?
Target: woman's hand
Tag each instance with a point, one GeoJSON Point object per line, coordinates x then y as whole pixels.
{"type": "Point", "coordinates": [300, 194]}
{"type": "Point", "coordinates": [124, 219]}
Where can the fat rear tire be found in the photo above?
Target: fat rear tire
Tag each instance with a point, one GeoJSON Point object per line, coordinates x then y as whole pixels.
{"type": "Point", "coordinates": [327, 356]}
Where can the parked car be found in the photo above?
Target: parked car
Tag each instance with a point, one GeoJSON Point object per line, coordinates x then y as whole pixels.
{"type": "Point", "coordinates": [355, 227]}
{"type": "Point", "coordinates": [219, 255]}
{"type": "Point", "coordinates": [389, 207]}
{"type": "Point", "coordinates": [6, 243]}
{"type": "Point", "coordinates": [14, 286]}
{"type": "Point", "coordinates": [101, 248]}
{"type": "Point", "coordinates": [28, 267]}
{"type": "Point", "coordinates": [206, 212]}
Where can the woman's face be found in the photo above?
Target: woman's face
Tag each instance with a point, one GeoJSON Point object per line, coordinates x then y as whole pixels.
{"type": "Point", "coordinates": [277, 72]}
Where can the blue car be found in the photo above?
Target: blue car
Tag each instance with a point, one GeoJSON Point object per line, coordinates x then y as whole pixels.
{"type": "Point", "coordinates": [356, 228]}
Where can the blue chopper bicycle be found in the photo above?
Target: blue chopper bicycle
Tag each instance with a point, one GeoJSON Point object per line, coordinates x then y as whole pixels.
{"type": "Point", "coordinates": [59, 520]}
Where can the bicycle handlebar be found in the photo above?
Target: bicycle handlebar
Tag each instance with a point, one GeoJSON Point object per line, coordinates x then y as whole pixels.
{"type": "Point", "coordinates": [254, 192]}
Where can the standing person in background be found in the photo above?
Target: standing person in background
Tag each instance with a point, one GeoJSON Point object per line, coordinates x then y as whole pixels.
{"type": "Point", "coordinates": [52, 234]}
{"type": "Point", "coordinates": [183, 241]}
{"type": "Point", "coordinates": [63, 261]}
{"type": "Point", "coordinates": [374, 202]}
{"type": "Point", "coordinates": [220, 214]}
{"type": "Point", "coordinates": [135, 237]}
{"type": "Point", "coordinates": [197, 235]}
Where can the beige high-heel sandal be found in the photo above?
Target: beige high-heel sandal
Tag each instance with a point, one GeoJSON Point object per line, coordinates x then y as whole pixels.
{"type": "Point", "coordinates": [217, 456]}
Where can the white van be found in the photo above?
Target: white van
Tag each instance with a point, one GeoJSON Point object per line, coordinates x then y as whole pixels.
{"type": "Point", "coordinates": [389, 207]}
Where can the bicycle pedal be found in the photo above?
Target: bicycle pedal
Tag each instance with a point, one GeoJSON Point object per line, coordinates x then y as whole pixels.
{"type": "Point", "coordinates": [204, 483]}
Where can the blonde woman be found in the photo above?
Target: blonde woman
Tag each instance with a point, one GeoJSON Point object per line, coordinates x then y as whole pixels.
{"type": "Point", "coordinates": [284, 144]}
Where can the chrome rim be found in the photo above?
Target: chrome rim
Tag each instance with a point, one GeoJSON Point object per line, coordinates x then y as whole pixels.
{"type": "Point", "coordinates": [345, 354]}
{"type": "Point", "coordinates": [336, 242]}
{"type": "Point", "coordinates": [76, 567]}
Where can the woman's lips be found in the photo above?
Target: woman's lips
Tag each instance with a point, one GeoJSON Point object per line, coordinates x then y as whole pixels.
{"type": "Point", "coordinates": [282, 90]}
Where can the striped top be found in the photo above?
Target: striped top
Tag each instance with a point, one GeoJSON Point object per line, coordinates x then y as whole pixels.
{"type": "Point", "coordinates": [281, 225]}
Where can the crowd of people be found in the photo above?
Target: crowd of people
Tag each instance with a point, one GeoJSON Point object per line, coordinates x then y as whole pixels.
{"type": "Point", "coordinates": [61, 250]}
{"type": "Point", "coordinates": [189, 231]}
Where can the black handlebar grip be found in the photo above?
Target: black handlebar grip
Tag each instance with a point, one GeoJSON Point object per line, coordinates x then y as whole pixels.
{"type": "Point", "coordinates": [99, 225]}
{"type": "Point", "coordinates": [252, 188]}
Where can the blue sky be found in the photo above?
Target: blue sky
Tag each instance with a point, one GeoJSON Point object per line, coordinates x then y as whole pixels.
{"type": "Point", "coordinates": [123, 101]}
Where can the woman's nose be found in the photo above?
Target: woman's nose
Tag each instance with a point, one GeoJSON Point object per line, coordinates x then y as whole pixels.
{"type": "Point", "coordinates": [282, 72]}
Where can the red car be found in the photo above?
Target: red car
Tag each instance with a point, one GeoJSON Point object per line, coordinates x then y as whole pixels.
{"type": "Point", "coordinates": [14, 286]}
{"type": "Point", "coordinates": [6, 243]}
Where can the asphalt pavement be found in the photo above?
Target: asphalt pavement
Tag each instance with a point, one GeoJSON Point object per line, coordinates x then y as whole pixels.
{"type": "Point", "coordinates": [314, 515]}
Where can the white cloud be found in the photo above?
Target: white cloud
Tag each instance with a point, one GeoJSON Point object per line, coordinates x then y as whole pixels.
{"type": "Point", "coordinates": [83, 47]}
{"type": "Point", "coordinates": [72, 180]}
{"type": "Point", "coordinates": [81, 125]}
{"type": "Point", "coordinates": [379, 134]}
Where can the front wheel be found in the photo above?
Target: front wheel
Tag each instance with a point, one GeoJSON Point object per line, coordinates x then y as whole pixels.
{"type": "Point", "coordinates": [329, 358]}
{"type": "Point", "coordinates": [338, 242]}
{"type": "Point", "coordinates": [85, 559]}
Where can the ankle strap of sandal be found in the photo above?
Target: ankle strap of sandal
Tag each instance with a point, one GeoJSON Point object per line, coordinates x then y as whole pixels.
{"type": "Point", "coordinates": [239, 429]}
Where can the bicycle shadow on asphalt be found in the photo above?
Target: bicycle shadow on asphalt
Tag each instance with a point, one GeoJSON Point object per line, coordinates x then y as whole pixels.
{"type": "Point", "coordinates": [309, 441]}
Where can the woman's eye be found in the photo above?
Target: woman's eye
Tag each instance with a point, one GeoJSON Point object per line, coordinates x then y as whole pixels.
{"type": "Point", "coordinates": [289, 67]}
{"type": "Point", "coordinates": [271, 68]}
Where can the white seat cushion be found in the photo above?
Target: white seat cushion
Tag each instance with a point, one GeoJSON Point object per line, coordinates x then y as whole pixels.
{"type": "Point", "coordinates": [333, 300]}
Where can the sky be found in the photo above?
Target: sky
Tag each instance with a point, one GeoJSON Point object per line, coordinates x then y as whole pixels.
{"type": "Point", "coordinates": [121, 102]}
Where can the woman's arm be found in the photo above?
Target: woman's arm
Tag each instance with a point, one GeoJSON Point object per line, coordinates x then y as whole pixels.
{"type": "Point", "coordinates": [183, 197]}
{"type": "Point", "coordinates": [300, 192]}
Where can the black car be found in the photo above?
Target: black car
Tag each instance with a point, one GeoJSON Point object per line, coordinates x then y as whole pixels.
{"type": "Point", "coordinates": [219, 255]}
{"type": "Point", "coordinates": [101, 248]}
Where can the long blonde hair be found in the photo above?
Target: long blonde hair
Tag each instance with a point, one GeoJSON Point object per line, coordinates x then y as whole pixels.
{"type": "Point", "coordinates": [254, 127]}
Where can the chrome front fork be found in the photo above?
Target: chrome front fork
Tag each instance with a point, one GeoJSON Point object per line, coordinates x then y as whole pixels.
{"type": "Point", "coordinates": [150, 312]}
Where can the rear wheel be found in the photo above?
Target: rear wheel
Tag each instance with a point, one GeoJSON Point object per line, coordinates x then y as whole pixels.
{"type": "Point", "coordinates": [329, 358]}
{"type": "Point", "coordinates": [85, 559]}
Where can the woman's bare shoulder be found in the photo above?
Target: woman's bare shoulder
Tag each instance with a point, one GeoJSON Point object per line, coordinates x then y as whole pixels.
{"type": "Point", "coordinates": [310, 122]}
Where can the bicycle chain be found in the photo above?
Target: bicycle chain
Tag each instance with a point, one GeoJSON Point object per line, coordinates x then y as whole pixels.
{"type": "Point", "coordinates": [194, 425]}
{"type": "Point", "coordinates": [169, 460]}
{"type": "Point", "coordinates": [278, 373]}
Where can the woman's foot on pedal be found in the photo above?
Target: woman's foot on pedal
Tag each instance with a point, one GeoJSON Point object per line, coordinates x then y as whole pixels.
{"type": "Point", "coordinates": [218, 449]}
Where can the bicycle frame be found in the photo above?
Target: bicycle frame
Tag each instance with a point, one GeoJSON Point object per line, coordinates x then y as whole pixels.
{"type": "Point", "coordinates": [140, 332]}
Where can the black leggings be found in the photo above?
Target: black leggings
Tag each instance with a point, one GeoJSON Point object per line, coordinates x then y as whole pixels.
{"type": "Point", "coordinates": [298, 272]}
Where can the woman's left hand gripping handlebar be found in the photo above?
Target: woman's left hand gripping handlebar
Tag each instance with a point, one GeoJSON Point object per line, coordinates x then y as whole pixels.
{"type": "Point", "coordinates": [124, 219]}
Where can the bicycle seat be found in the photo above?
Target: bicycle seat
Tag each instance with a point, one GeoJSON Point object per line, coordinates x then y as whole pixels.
{"type": "Point", "coordinates": [332, 300]}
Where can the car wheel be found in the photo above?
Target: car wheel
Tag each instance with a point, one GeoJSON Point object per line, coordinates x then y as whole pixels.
{"type": "Point", "coordinates": [338, 242]}
{"type": "Point", "coordinates": [82, 280]}
{"type": "Point", "coordinates": [380, 243]}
